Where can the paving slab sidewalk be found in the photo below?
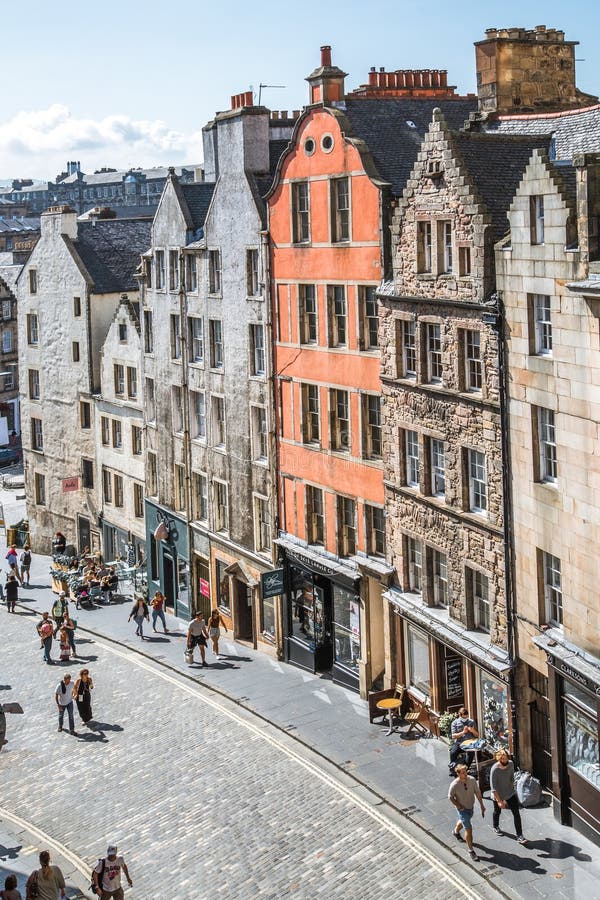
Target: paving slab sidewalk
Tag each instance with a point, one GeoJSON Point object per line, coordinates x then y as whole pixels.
{"type": "Point", "coordinates": [409, 775]}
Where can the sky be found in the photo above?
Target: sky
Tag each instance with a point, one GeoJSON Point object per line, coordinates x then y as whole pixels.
{"type": "Point", "coordinates": [131, 83]}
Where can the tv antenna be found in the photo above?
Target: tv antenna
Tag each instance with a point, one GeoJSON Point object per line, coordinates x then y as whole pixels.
{"type": "Point", "coordinates": [261, 86]}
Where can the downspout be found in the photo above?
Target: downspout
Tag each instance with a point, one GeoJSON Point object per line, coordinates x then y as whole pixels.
{"type": "Point", "coordinates": [187, 447]}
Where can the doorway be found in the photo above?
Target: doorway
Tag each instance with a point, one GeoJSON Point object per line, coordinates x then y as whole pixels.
{"type": "Point", "coordinates": [169, 579]}
{"type": "Point", "coordinates": [243, 611]}
{"type": "Point", "coordinates": [83, 533]}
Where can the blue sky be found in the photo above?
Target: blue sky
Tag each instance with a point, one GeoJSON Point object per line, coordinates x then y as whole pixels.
{"type": "Point", "coordinates": [132, 83]}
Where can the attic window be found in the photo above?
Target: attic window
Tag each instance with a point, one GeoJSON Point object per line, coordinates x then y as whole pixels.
{"type": "Point", "coordinates": [309, 146]}
{"type": "Point", "coordinates": [410, 123]}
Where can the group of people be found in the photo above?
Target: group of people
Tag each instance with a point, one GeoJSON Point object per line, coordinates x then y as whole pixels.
{"type": "Point", "coordinates": [199, 634]}
{"type": "Point", "coordinates": [48, 882]}
{"type": "Point", "coordinates": [61, 625]}
{"type": "Point", "coordinates": [19, 566]}
{"type": "Point", "coordinates": [81, 693]}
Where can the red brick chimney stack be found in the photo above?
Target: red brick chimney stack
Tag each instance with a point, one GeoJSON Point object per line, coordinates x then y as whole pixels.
{"type": "Point", "coordinates": [239, 101]}
{"type": "Point", "coordinates": [326, 55]}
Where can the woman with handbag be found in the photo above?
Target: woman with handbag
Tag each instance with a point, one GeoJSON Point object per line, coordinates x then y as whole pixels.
{"type": "Point", "coordinates": [83, 697]}
{"type": "Point", "coordinates": [45, 883]}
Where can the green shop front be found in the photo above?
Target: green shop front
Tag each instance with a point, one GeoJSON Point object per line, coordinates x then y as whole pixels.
{"type": "Point", "coordinates": [168, 558]}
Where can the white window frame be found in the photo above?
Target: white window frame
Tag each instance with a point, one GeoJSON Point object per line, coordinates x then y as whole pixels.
{"type": "Point", "coordinates": [542, 318]}
{"type": "Point", "coordinates": [434, 352]}
{"type": "Point", "coordinates": [546, 428]}
{"type": "Point", "coordinates": [414, 558]}
{"type": "Point", "coordinates": [478, 486]}
{"type": "Point", "coordinates": [480, 593]}
{"type": "Point", "coordinates": [411, 451]}
{"type": "Point", "coordinates": [439, 570]}
{"type": "Point", "coordinates": [552, 589]}
{"type": "Point", "coordinates": [437, 453]}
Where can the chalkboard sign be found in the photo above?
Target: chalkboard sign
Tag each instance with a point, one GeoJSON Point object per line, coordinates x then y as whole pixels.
{"type": "Point", "coordinates": [454, 685]}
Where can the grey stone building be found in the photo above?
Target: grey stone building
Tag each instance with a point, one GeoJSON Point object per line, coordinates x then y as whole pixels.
{"type": "Point", "coordinates": [442, 424]}
{"type": "Point", "coordinates": [206, 321]}
{"type": "Point", "coordinates": [68, 293]}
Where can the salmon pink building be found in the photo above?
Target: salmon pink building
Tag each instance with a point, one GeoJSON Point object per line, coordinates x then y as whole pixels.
{"type": "Point", "coordinates": [329, 215]}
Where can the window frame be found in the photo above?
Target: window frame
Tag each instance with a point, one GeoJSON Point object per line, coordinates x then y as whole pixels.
{"type": "Point", "coordinates": [477, 462]}
{"type": "Point", "coordinates": [308, 318]}
{"type": "Point", "coordinates": [300, 210]}
{"type": "Point", "coordinates": [339, 194]}
{"type": "Point", "coordinates": [338, 398]}
{"type": "Point", "coordinates": [337, 315]}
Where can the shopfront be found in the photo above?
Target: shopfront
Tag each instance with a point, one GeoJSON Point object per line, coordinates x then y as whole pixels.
{"type": "Point", "coordinates": [574, 696]}
{"type": "Point", "coordinates": [439, 661]}
{"type": "Point", "coordinates": [168, 560]}
{"type": "Point", "coordinates": [322, 616]}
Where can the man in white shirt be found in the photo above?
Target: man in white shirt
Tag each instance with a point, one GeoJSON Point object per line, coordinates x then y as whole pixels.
{"type": "Point", "coordinates": [107, 875]}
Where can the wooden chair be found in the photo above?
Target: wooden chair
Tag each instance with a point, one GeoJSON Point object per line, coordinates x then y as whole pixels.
{"type": "Point", "coordinates": [419, 717]}
{"type": "Point", "coordinates": [376, 696]}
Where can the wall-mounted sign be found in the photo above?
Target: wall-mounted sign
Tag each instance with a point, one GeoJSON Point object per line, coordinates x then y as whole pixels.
{"type": "Point", "coordinates": [70, 484]}
{"type": "Point", "coordinates": [204, 587]}
{"type": "Point", "coordinates": [454, 683]}
{"type": "Point", "coordinates": [271, 583]}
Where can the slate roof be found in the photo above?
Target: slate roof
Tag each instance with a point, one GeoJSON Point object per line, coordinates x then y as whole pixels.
{"type": "Point", "coordinates": [264, 182]}
{"type": "Point", "coordinates": [20, 224]}
{"type": "Point", "coordinates": [576, 131]}
{"type": "Point", "coordinates": [566, 176]}
{"type": "Point", "coordinates": [394, 129]}
{"type": "Point", "coordinates": [156, 172]}
{"type": "Point", "coordinates": [110, 250]}
{"type": "Point", "coordinates": [197, 197]}
{"type": "Point", "coordinates": [496, 164]}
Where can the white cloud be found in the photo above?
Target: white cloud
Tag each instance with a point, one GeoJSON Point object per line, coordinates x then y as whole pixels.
{"type": "Point", "coordinates": [38, 142]}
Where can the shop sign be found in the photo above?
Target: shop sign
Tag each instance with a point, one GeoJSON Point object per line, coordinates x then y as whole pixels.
{"type": "Point", "coordinates": [204, 587]}
{"type": "Point", "coordinates": [454, 683]}
{"type": "Point", "coordinates": [576, 676]}
{"type": "Point", "coordinates": [70, 484]}
{"type": "Point", "coordinates": [271, 583]}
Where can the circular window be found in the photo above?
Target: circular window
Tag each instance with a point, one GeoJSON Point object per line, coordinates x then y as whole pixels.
{"type": "Point", "coordinates": [327, 143]}
{"type": "Point", "coordinates": [309, 146]}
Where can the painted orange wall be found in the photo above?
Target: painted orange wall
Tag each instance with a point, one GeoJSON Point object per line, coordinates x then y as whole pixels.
{"type": "Point", "coordinates": [321, 263]}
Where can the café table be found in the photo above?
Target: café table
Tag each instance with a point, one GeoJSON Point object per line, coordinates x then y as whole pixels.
{"type": "Point", "coordinates": [391, 705]}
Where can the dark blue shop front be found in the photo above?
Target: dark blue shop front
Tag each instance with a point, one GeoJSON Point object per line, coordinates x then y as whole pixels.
{"type": "Point", "coordinates": [168, 557]}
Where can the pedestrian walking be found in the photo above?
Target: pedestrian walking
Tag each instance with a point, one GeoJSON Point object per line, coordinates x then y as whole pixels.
{"type": "Point", "coordinates": [463, 791]}
{"type": "Point", "coordinates": [158, 611]}
{"type": "Point", "coordinates": [25, 560]}
{"type": "Point", "coordinates": [504, 795]}
{"type": "Point", "coordinates": [462, 729]}
{"type": "Point", "coordinates": [10, 891]}
{"type": "Point", "coordinates": [69, 624]}
{"type": "Point", "coordinates": [197, 636]}
{"type": "Point", "coordinates": [107, 875]}
{"type": "Point", "coordinates": [11, 590]}
{"type": "Point", "coordinates": [46, 882]}
{"type": "Point", "coordinates": [64, 700]}
{"type": "Point", "coordinates": [65, 644]}
{"type": "Point", "coordinates": [11, 558]}
{"type": "Point", "coordinates": [46, 631]}
{"type": "Point", "coordinates": [139, 612]}
{"type": "Point", "coordinates": [83, 697]}
{"type": "Point", "coordinates": [214, 629]}
{"type": "Point", "coordinates": [59, 608]}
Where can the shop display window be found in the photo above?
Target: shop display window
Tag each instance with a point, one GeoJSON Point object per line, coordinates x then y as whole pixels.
{"type": "Point", "coordinates": [418, 660]}
{"type": "Point", "coordinates": [346, 627]}
{"type": "Point", "coordinates": [183, 581]}
{"type": "Point", "coordinates": [307, 609]}
{"type": "Point", "coordinates": [268, 618]}
{"type": "Point", "coordinates": [223, 598]}
{"type": "Point", "coordinates": [581, 735]}
{"type": "Point", "coordinates": [494, 710]}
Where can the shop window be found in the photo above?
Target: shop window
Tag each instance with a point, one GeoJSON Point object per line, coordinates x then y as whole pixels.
{"type": "Point", "coordinates": [138, 500]}
{"type": "Point", "coordinates": [424, 247]}
{"type": "Point", "coordinates": [267, 618]}
{"type": "Point", "coordinates": [216, 343]}
{"type": "Point", "coordinates": [346, 627]}
{"type": "Point", "coordinates": [300, 212]}
{"type": "Point", "coordinates": [337, 314]}
{"type": "Point", "coordinates": [173, 270]}
{"type": "Point", "coordinates": [119, 379]}
{"type": "Point", "coordinates": [544, 441]}
{"type": "Point", "coordinates": [177, 408]}
{"type": "Point", "coordinates": [179, 488]}
{"type": "Point", "coordinates": [340, 209]}
{"type": "Point", "coordinates": [407, 348]}
{"type": "Point", "coordinates": [218, 421]}
{"type": "Point", "coordinates": [252, 283]}
{"type": "Point", "coordinates": [175, 336]}
{"type": "Point", "coordinates": [540, 324]}
{"type": "Point", "coordinates": [371, 425]}
{"type": "Point", "coordinates": [87, 473]}
{"type": "Point", "coordinates": [311, 414]}
{"type": "Point", "coordinates": [136, 440]}
{"type": "Point", "coordinates": [414, 560]}
{"type": "Point", "coordinates": [369, 317]}
{"type": "Point", "coordinates": [183, 582]}
{"type": "Point", "coordinates": [536, 219]}
{"type": "Point", "coordinates": [33, 331]}
{"type": "Point", "coordinates": [221, 506]}
{"type": "Point", "coordinates": [148, 332]}
{"type": "Point", "coordinates": [419, 673]}
{"type": "Point", "coordinates": [257, 350]}
{"type": "Point", "coordinates": [198, 404]}
{"type": "Point", "coordinates": [191, 273]}
{"type": "Point", "coordinates": [315, 515]}
{"type": "Point", "coordinates": [437, 454]}
{"type": "Point", "coordinates": [375, 530]}
{"type": "Point", "coordinates": [34, 384]}
{"type": "Point", "coordinates": [118, 491]}
{"type": "Point", "coordinates": [307, 314]}
{"type": "Point", "coordinates": [196, 331]}
{"type": "Point", "coordinates": [262, 525]}
{"type": "Point", "coordinates": [494, 710]}
{"type": "Point", "coordinates": [85, 414]}
{"type": "Point", "coordinates": [223, 596]}
{"type": "Point", "coordinates": [152, 474]}
{"type": "Point", "coordinates": [339, 410]}
{"type": "Point", "coordinates": [40, 489]}
{"type": "Point", "coordinates": [346, 512]}
{"type": "Point", "coordinates": [581, 742]}
{"type": "Point", "coordinates": [260, 435]}
{"type": "Point", "coordinates": [200, 496]}
{"type": "Point", "coordinates": [434, 353]}
{"type": "Point", "coordinates": [307, 609]}
{"type": "Point", "coordinates": [150, 398]}
{"type": "Point", "coordinates": [214, 271]}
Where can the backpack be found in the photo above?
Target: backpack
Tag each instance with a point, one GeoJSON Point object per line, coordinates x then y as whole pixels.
{"type": "Point", "coordinates": [31, 888]}
{"type": "Point", "coordinates": [100, 876]}
{"type": "Point", "coordinates": [529, 789]}
{"type": "Point", "coordinates": [26, 558]}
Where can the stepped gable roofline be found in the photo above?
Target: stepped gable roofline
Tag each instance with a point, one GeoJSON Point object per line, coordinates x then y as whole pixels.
{"type": "Point", "coordinates": [108, 252]}
{"type": "Point", "coordinates": [126, 304]}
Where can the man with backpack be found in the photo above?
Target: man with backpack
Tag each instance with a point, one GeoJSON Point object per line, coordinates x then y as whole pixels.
{"type": "Point", "coordinates": [106, 875]}
{"type": "Point", "coordinates": [25, 560]}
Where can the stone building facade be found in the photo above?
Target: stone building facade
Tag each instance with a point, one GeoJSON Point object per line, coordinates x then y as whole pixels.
{"type": "Point", "coordinates": [10, 418]}
{"type": "Point", "coordinates": [548, 275]}
{"type": "Point", "coordinates": [68, 293]}
{"type": "Point", "coordinates": [449, 626]}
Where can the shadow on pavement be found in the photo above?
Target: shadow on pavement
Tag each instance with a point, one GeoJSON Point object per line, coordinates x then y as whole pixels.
{"type": "Point", "coordinates": [157, 640]}
{"type": "Point", "coordinates": [92, 737]}
{"type": "Point", "coordinates": [552, 849]}
{"type": "Point", "coordinates": [10, 852]}
{"type": "Point", "coordinates": [104, 726]}
{"type": "Point", "coordinates": [506, 860]}
{"type": "Point", "coordinates": [5, 687]}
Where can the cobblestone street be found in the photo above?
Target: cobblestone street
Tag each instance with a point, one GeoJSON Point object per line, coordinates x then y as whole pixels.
{"type": "Point", "coordinates": [171, 774]}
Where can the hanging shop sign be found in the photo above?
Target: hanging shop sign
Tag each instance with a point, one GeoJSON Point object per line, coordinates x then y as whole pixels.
{"type": "Point", "coordinates": [271, 583]}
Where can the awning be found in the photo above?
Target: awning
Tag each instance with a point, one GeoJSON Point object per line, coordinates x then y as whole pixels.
{"type": "Point", "coordinates": [320, 562]}
{"type": "Point", "coordinates": [570, 660]}
{"type": "Point", "coordinates": [453, 634]}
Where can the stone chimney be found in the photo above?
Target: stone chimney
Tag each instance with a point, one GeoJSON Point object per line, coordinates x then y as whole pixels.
{"type": "Point", "coordinates": [326, 83]}
{"type": "Point", "coordinates": [524, 71]}
{"type": "Point", "coordinates": [59, 220]}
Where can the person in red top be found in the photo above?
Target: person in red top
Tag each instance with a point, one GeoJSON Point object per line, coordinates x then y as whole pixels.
{"type": "Point", "coordinates": [158, 611]}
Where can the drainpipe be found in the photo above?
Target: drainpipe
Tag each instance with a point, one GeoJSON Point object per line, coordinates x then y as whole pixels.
{"type": "Point", "coordinates": [498, 322]}
{"type": "Point", "coordinates": [187, 447]}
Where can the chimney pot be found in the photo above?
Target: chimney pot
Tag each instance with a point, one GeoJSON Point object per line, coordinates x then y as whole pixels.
{"type": "Point", "coordinates": [326, 55]}
{"type": "Point", "coordinates": [284, 113]}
